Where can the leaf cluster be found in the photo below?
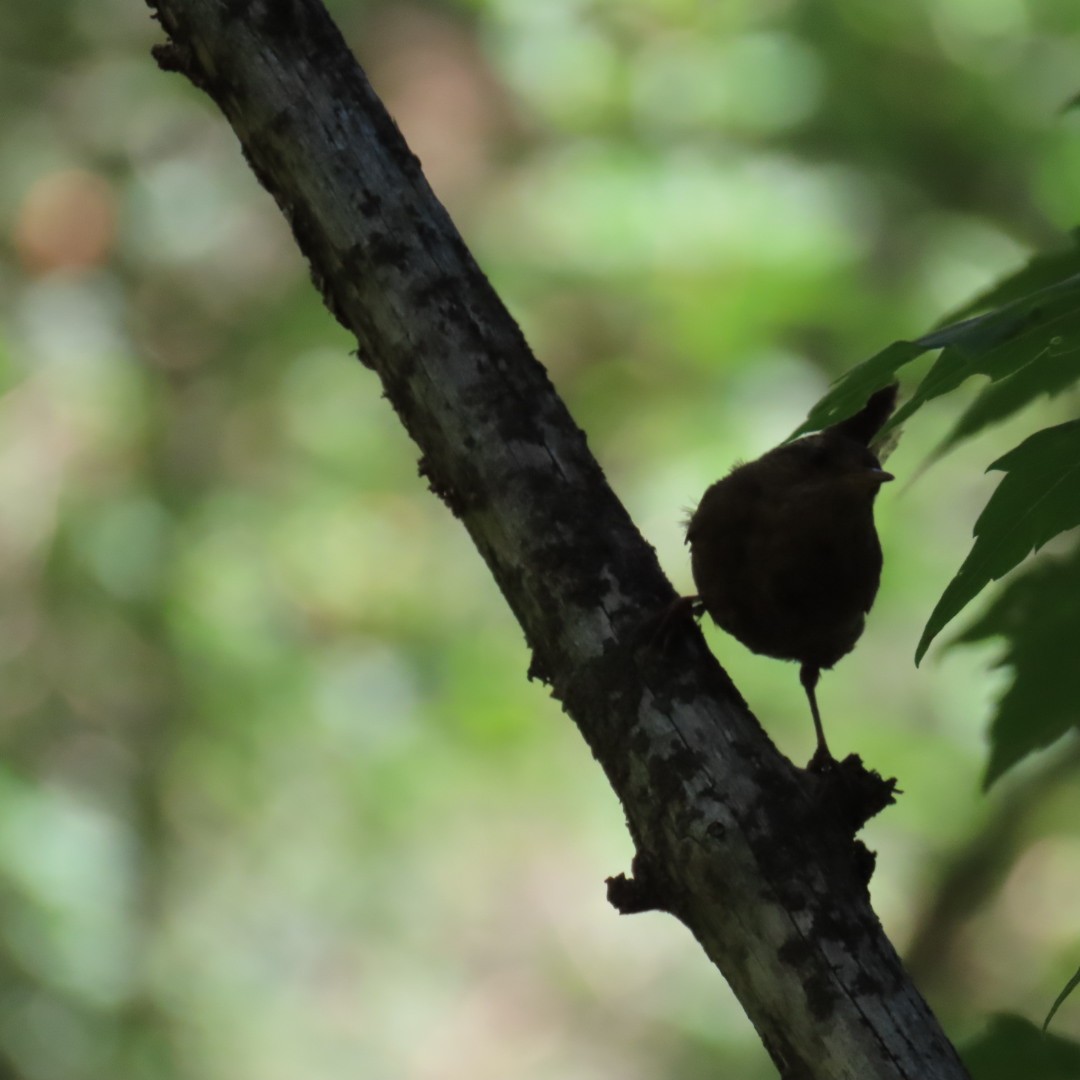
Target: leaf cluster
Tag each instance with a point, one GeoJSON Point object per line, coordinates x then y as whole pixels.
{"type": "Point", "coordinates": [1023, 337]}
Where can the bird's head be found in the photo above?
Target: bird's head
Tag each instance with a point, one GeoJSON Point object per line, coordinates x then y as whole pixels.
{"type": "Point", "coordinates": [829, 459]}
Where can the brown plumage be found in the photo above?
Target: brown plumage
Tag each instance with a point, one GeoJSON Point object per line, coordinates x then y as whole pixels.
{"type": "Point", "coordinates": [784, 551]}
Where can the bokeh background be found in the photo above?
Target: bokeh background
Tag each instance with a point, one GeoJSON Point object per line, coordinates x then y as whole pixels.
{"type": "Point", "coordinates": [276, 799]}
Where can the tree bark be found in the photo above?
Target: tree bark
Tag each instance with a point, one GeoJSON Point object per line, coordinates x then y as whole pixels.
{"type": "Point", "coordinates": [756, 857]}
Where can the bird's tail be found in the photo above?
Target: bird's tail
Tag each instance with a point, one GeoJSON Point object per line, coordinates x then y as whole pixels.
{"type": "Point", "coordinates": [869, 420]}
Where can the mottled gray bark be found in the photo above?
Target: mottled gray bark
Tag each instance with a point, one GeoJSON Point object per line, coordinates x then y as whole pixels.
{"type": "Point", "coordinates": [756, 857]}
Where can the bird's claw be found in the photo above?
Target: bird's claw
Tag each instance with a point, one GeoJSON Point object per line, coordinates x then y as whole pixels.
{"type": "Point", "coordinates": [659, 629]}
{"type": "Point", "coordinates": [822, 761]}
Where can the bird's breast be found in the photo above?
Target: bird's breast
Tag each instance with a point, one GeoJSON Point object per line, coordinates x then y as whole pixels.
{"type": "Point", "coordinates": [790, 574]}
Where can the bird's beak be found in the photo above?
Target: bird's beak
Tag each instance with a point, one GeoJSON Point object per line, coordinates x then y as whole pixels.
{"type": "Point", "coordinates": [870, 479]}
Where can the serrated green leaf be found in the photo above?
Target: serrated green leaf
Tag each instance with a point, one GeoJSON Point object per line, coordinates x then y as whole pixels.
{"type": "Point", "coordinates": [1069, 987]}
{"type": "Point", "coordinates": [1013, 1048]}
{"type": "Point", "coordinates": [1038, 615]}
{"type": "Point", "coordinates": [1040, 328]}
{"type": "Point", "coordinates": [1055, 369]}
{"type": "Point", "coordinates": [1038, 498]}
{"type": "Point", "coordinates": [1042, 271]}
{"type": "Point", "coordinates": [1045, 324]}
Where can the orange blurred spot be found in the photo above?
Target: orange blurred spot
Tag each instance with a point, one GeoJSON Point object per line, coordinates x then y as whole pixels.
{"type": "Point", "coordinates": [66, 221]}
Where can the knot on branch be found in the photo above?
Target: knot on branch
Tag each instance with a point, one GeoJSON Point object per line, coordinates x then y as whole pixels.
{"type": "Point", "coordinates": [640, 892]}
{"type": "Point", "coordinates": [851, 794]}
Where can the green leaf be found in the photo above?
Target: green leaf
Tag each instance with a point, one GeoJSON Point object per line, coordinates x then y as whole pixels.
{"type": "Point", "coordinates": [1041, 272]}
{"type": "Point", "coordinates": [1044, 324]}
{"type": "Point", "coordinates": [1038, 498]}
{"type": "Point", "coordinates": [1036, 327]}
{"type": "Point", "coordinates": [1012, 1048]}
{"type": "Point", "coordinates": [1057, 368]}
{"type": "Point", "coordinates": [1069, 987]}
{"type": "Point", "coordinates": [1038, 615]}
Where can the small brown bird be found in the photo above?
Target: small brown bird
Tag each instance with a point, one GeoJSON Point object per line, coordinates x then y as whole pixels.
{"type": "Point", "coordinates": [784, 551]}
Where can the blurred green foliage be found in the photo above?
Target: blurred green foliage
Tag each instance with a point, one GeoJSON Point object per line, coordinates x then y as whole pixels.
{"type": "Point", "coordinates": [276, 798]}
{"type": "Point", "coordinates": [1012, 1047]}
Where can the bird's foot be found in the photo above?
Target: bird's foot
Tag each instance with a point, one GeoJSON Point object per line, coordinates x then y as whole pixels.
{"type": "Point", "coordinates": [822, 761]}
{"type": "Point", "coordinates": [659, 630]}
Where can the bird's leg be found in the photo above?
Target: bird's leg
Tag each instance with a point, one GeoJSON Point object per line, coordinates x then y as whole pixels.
{"type": "Point", "coordinates": [822, 759]}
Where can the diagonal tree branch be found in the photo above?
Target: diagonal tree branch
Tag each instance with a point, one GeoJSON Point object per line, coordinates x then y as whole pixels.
{"type": "Point", "coordinates": [755, 857]}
